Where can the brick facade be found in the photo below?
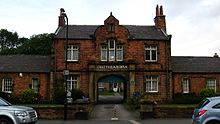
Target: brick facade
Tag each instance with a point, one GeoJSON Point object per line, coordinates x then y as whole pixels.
{"type": "Point", "coordinates": [20, 83]}
{"type": "Point", "coordinates": [197, 82]}
{"type": "Point", "coordinates": [137, 68]}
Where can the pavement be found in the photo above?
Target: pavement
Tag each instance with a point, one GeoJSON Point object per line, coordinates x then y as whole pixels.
{"type": "Point", "coordinates": [113, 99]}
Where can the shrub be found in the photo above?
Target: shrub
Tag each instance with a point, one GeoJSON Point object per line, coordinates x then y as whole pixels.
{"type": "Point", "coordinates": [59, 96]}
{"type": "Point", "coordinates": [29, 96]}
{"type": "Point", "coordinates": [77, 94]}
{"type": "Point", "coordinates": [134, 102]}
{"type": "Point", "coordinates": [186, 98]}
{"type": "Point", "coordinates": [207, 92]}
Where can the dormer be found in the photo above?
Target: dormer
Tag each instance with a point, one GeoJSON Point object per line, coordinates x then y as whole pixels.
{"type": "Point", "coordinates": [111, 22]}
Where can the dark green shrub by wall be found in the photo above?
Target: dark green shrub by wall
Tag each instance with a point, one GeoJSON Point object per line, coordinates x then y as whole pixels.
{"type": "Point", "coordinates": [186, 98]}
{"type": "Point", "coordinates": [77, 94]}
{"type": "Point", "coordinates": [29, 96]}
{"type": "Point", "coordinates": [207, 92]}
{"type": "Point", "coordinates": [59, 96]}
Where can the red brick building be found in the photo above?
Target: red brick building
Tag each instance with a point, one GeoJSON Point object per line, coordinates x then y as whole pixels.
{"type": "Point", "coordinates": [137, 56]}
{"type": "Point", "coordinates": [20, 72]}
{"type": "Point", "coordinates": [191, 74]}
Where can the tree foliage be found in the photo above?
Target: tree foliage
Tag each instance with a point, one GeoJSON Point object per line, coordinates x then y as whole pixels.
{"type": "Point", "coordinates": [10, 43]}
{"type": "Point", "coordinates": [8, 39]}
{"type": "Point", "coordinates": [37, 44]}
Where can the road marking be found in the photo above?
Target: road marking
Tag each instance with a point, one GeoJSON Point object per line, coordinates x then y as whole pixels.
{"type": "Point", "coordinates": [114, 113]}
{"type": "Point", "coordinates": [134, 122]}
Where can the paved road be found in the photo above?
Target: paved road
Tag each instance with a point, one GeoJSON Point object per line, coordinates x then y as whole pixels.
{"type": "Point", "coordinates": [113, 111]}
{"type": "Point", "coordinates": [113, 99]}
{"type": "Point", "coordinates": [147, 121]}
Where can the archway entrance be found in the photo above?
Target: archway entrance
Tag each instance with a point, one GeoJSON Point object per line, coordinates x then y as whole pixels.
{"type": "Point", "coordinates": [111, 89]}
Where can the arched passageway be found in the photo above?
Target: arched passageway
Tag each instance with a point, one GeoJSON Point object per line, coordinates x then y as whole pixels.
{"type": "Point", "coordinates": [111, 89]}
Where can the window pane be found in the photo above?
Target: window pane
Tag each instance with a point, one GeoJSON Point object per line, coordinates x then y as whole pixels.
{"type": "Point", "coordinates": [7, 85]}
{"type": "Point", "coordinates": [119, 53]}
{"type": "Point", "coordinates": [211, 83]}
{"type": "Point", "coordinates": [72, 53]}
{"type": "Point", "coordinates": [151, 53]}
{"type": "Point", "coordinates": [151, 83]}
{"type": "Point", "coordinates": [104, 53]}
{"type": "Point", "coordinates": [35, 85]}
{"type": "Point", "coordinates": [147, 54]}
{"type": "Point", "coordinates": [154, 55]}
{"type": "Point", "coordinates": [111, 55]}
{"type": "Point", "coordinates": [111, 44]}
{"type": "Point", "coordinates": [68, 55]}
{"type": "Point", "coordinates": [72, 82]}
{"type": "Point", "coordinates": [185, 85]}
{"type": "Point", "coordinates": [75, 55]}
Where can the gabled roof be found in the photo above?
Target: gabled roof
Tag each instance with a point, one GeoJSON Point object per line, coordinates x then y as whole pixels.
{"type": "Point", "coordinates": [87, 32]}
{"type": "Point", "coordinates": [25, 63]}
{"type": "Point", "coordinates": [195, 64]}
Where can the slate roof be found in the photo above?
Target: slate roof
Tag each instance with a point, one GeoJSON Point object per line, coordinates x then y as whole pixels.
{"type": "Point", "coordinates": [195, 64]}
{"type": "Point", "coordinates": [87, 31]}
{"type": "Point", "coordinates": [25, 63]}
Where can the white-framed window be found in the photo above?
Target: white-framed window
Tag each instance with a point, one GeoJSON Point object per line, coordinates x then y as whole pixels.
{"type": "Point", "coordinates": [72, 82]}
{"type": "Point", "coordinates": [150, 53]}
{"type": "Point", "coordinates": [72, 53]}
{"type": "Point", "coordinates": [185, 85]}
{"type": "Point", "coordinates": [7, 85]}
{"type": "Point", "coordinates": [112, 51]}
{"type": "Point", "coordinates": [36, 85]}
{"type": "Point", "coordinates": [211, 83]}
{"type": "Point", "coordinates": [104, 53]}
{"type": "Point", "coordinates": [119, 53]}
{"type": "Point", "coordinates": [151, 83]}
{"type": "Point", "coordinates": [111, 46]}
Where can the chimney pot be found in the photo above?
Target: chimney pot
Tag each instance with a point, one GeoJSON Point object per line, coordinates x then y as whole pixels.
{"type": "Point", "coordinates": [161, 10]}
{"type": "Point", "coordinates": [157, 11]}
{"type": "Point", "coordinates": [216, 55]}
{"type": "Point", "coordinates": [61, 20]}
{"type": "Point", "coordinates": [159, 20]}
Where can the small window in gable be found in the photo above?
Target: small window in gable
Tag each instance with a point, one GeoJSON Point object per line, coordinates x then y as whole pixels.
{"type": "Point", "coordinates": [111, 27]}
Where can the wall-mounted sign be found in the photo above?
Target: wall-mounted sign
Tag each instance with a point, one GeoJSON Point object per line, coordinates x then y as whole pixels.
{"type": "Point", "coordinates": [111, 67]}
{"type": "Point", "coordinates": [66, 72]}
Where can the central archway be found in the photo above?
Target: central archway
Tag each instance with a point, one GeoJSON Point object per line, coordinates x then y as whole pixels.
{"type": "Point", "coordinates": [111, 89]}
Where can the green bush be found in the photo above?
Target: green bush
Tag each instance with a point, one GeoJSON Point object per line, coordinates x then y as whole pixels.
{"type": "Point", "coordinates": [77, 94]}
{"type": "Point", "coordinates": [29, 96]}
{"type": "Point", "coordinates": [186, 98]}
{"type": "Point", "coordinates": [59, 96]}
{"type": "Point", "coordinates": [207, 92]}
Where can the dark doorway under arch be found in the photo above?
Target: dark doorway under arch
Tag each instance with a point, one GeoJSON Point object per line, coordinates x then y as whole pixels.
{"type": "Point", "coordinates": [111, 89]}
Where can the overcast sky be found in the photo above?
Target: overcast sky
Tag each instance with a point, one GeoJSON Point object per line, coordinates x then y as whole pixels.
{"type": "Point", "coordinates": [193, 24]}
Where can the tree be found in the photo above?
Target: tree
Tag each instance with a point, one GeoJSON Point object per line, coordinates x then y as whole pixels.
{"type": "Point", "coordinates": [38, 44]}
{"type": "Point", "coordinates": [8, 40]}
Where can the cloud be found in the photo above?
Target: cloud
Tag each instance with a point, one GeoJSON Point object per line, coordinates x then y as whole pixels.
{"type": "Point", "coordinates": [194, 24]}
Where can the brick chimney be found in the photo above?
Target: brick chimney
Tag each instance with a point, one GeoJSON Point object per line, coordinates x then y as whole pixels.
{"type": "Point", "coordinates": [159, 20]}
{"type": "Point", "coordinates": [61, 21]}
